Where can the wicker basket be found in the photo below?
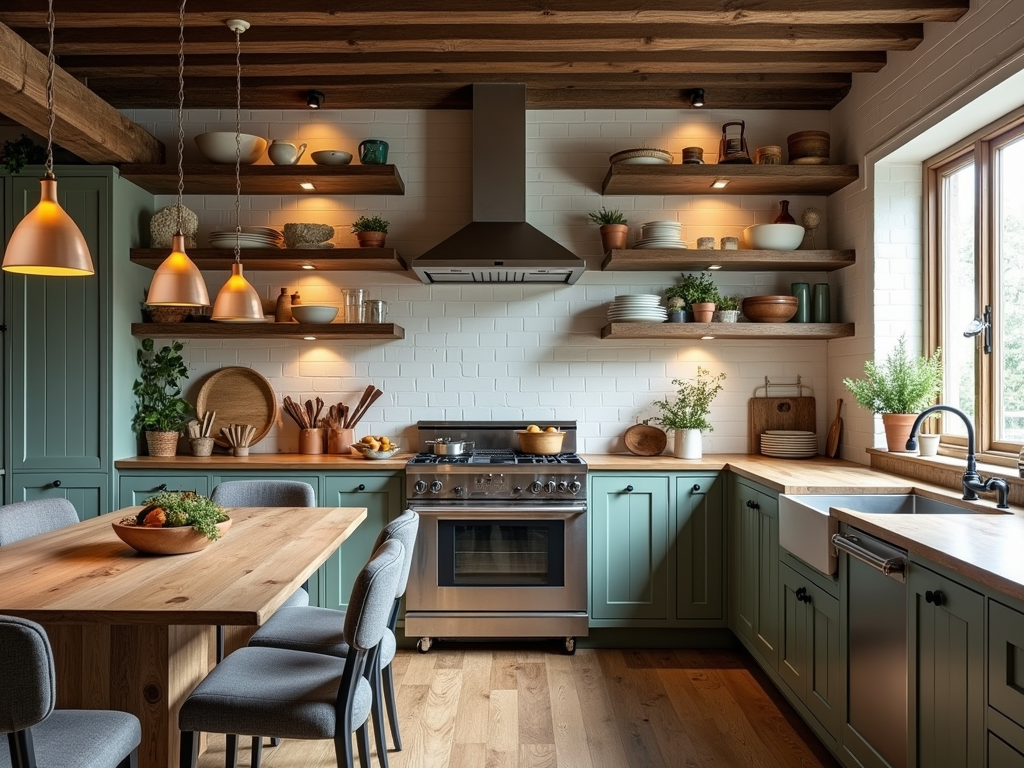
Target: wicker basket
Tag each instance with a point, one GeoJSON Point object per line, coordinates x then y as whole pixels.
{"type": "Point", "coordinates": [161, 314]}
{"type": "Point", "coordinates": [546, 443]}
{"type": "Point", "coordinates": [162, 443]}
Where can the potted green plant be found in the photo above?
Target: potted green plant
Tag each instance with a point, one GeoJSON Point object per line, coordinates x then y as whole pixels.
{"type": "Point", "coordinates": [899, 388]}
{"type": "Point", "coordinates": [160, 412]}
{"type": "Point", "coordinates": [370, 231]}
{"type": "Point", "coordinates": [727, 310]}
{"type": "Point", "coordinates": [687, 414]}
{"type": "Point", "coordinates": [699, 294]}
{"type": "Point", "coordinates": [613, 230]}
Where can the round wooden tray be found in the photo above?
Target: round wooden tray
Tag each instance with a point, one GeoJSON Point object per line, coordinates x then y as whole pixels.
{"type": "Point", "coordinates": [239, 396]}
{"type": "Point", "coordinates": [645, 440]}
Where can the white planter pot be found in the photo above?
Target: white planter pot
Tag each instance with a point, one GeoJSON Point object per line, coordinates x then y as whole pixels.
{"type": "Point", "coordinates": [928, 444]}
{"type": "Point", "coordinates": [687, 444]}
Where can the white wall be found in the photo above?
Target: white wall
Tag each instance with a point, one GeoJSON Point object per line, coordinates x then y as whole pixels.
{"type": "Point", "coordinates": [506, 351]}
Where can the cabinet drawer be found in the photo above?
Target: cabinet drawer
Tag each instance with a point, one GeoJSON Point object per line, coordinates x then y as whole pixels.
{"type": "Point", "coordinates": [1006, 661]}
{"type": "Point", "coordinates": [1005, 742]}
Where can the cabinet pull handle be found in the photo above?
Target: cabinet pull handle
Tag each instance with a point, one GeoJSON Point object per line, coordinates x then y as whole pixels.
{"type": "Point", "coordinates": [935, 598]}
{"type": "Point", "coordinates": [802, 596]}
{"type": "Point", "coordinates": [360, 487]}
{"type": "Point", "coordinates": [161, 487]}
{"type": "Point", "coordinates": [751, 504]}
{"type": "Point", "coordinates": [56, 483]}
{"type": "Point", "coordinates": [629, 489]}
{"type": "Point", "coordinates": [696, 487]}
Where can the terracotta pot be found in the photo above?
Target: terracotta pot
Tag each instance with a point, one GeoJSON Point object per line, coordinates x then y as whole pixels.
{"type": "Point", "coordinates": [371, 239]}
{"type": "Point", "coordinates": [897, 430]}
{"type": "Point", "coordinates": [162, 443]}
{"type": "Point", "coordinates": [613, 236]}
{"type": "Point", "coordinates": [703, 312]}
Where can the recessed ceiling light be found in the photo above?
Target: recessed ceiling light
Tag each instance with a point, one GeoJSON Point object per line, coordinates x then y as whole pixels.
{"type": "Point", "coordinates": [697, 97]}
{"type": "Point", "coordinates": [705, 338]}
{"type": "Point", "coordinates": [714, 266]}
{"type": "Point", "coordinates": [315, 99]}
{"type": "Point", "coordinates": [307, 185]}
{"type": "Point", "coordinates": [308, 266]}
{"type": "Point", "coordinates": [719, 183]}
{"type": "Point", "coordinates": [309, 338]}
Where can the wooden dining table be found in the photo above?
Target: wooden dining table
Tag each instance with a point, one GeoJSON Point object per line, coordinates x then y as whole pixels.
{"type": "Point", "coordinates": [132, 632]}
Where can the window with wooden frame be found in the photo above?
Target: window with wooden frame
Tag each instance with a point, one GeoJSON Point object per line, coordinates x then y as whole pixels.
{"type": "Point", "coordinates": [975, 284]}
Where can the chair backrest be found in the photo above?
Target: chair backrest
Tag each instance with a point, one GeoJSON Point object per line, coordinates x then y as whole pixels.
{"type": "Point", "coordinates": [264, 493]}
{"type": "Point", "coordinates": [26, 675]}
{"type": "Point", "coordinates": [404, 529]}
{"type": "Point", "coordinates": [373, 594]}
{"type": "Point", "coordinates": [31, 518]}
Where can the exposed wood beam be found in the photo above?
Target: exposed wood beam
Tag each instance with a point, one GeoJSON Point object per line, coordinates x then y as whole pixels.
{"type": "Point", "coordinates": [270, 13]}
{"type": "Point", "coordinates": [85, 124]}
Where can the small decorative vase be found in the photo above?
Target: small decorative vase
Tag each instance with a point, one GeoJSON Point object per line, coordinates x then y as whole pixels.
{"type": "Point", "coordinates": [371, 239]}
{"type": "Point", "coordinates": [687, 444]}
{"type": "Point", "coordinates": [676, 316]}
{"type": "Point", "coordinates": [929, 444]}
{"type": "Point", "coordinates": [703, 311]}
{"type": "Point", "coordinates": [613, 236]}
{"type": "Point", "coordinates": [201, 446]}
{"type": "Point", "coordinates": [726, 316]}
{"type": "Point", "coordinates": [897, 430]}
{"type": "Point", "coordinates": [162, 443]}
{"type": "Point", "coordinates": [784, 216]}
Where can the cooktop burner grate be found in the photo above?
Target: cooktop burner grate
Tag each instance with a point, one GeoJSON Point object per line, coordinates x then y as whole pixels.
{"type": "Point", "coordinates": [496, 457]}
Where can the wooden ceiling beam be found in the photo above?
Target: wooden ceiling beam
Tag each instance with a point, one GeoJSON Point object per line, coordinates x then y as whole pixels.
{"type": "Point", "coordinates": [84, 123]}
{"type": "Point", "coordinates": [271, 13]}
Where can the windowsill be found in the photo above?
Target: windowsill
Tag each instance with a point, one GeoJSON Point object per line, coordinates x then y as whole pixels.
{"type": "Point", "coordinates": [945, 470]}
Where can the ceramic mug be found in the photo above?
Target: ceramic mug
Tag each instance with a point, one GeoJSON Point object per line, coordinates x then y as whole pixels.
{"type": "Point", "coordinates": [373, 152]}
{"type": "Point", "coordinates": [283, 153]}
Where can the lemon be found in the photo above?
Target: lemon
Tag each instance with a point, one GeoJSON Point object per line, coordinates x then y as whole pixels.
{"type": "Point", "coordinates": [533, 428]}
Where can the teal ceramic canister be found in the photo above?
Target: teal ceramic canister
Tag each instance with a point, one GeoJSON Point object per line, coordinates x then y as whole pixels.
{"type": "Point", "coordinates": [373, 152]}
{"type": "Point", "coordinates": [802, 291]}
{"type": "Point", "coordinates": [821, 313]}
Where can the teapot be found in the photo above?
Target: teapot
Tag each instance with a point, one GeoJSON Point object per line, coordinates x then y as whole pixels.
{"type": "Point", "coordinates": [283, 153]}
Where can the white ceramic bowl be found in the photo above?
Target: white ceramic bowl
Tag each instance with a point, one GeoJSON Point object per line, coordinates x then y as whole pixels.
{"type": "Point", "coordinates": [219, 147]}
{"type": "Point", "coordinates": [331, 157]}
{"type": "Point", "coordinates": [318, 314]}
{"type": "Point", "coordinates": [774, 237]}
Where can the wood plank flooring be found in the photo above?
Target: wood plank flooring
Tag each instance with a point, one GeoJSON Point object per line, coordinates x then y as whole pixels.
{"type": "Point", "coordinates": [480, 707]}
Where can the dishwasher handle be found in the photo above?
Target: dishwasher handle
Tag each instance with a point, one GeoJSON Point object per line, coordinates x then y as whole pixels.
{"type": "Point", "coordinates": [893, 567]}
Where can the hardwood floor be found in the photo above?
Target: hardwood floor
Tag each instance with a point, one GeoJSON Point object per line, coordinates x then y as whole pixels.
{"type": "Point", "coordinates": [476, 707]}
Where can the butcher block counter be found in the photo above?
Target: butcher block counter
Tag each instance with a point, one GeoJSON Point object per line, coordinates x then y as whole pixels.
{"type": "Point", "coordinates": [265, 461]}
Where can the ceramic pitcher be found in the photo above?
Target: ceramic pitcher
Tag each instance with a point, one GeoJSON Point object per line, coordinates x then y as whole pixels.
{"type": "Point", "coordinates": [283, 153]}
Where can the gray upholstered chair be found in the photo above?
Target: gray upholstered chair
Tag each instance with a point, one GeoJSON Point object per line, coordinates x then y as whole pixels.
{"type": "Point", "coordinates": [37, 734]}
{"type": "Point", "coordinates": [320, 630]}
{"type": "Point", "coordinates": [296, 694]}
{"type": "Point", "coordinates": [31, 518]}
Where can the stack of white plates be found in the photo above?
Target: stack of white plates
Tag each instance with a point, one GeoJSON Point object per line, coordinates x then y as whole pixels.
{"type": "Point", "coordinates": [251, 237]}
{"type": "Point", "coordinates": [789, 444]}
{"type": "Point", "coordinates": [637, 308]}
{"type": "Point", "coordinates": [660, 234]}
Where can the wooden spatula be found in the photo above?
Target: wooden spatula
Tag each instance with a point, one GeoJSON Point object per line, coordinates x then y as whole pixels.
{"type": "Point", "coordinates": [832, 442]}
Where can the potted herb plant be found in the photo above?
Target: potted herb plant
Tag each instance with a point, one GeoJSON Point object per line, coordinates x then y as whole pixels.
{"type": "Point", "coordinates": [687, 414]}
{"type": "Point", "coordinates": [727, 310]}
{"type": "Point", "coordinates": [160, 412]}
{"type": "Point", "coordinates": [699, 294]}
{"type": "Point", "coordinates": [613, 230]}
{"type": "Point", "coordinates": [899, 388]}
{"type": "Point", "coordinates": [370, 231]}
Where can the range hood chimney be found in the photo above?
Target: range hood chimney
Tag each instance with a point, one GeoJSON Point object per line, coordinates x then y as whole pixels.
{"type": "Point", "coordinates": [499, 246]}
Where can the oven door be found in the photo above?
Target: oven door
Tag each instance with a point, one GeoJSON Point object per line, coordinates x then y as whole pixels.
{"type": "Point", "coordinates": [500, 559]}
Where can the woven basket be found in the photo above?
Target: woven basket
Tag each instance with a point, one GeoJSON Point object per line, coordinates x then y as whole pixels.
{"type": "Point", "coordinates": [545, 443]}
{"type": "Point", "coordinates": [162, 443]}
{"type": "Point", "coordinates": [169, 314]}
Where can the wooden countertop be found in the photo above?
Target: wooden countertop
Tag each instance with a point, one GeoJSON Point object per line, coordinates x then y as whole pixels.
{"type": "Point", "coordinates": [273, 461]}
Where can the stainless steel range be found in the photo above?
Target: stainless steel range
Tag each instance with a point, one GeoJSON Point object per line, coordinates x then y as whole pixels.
{"type": "Point", "coordinates": [502, 548]}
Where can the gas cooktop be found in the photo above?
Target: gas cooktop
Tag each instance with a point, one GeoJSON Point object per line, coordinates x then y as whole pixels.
{"type": "Point", "coordinates": [496, 457]}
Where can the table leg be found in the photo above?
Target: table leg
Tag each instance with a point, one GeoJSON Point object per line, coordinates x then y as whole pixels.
{"type": "Point", "coordinates": [147, 670]}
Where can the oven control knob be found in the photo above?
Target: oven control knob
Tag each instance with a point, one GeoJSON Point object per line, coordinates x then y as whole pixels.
{"type": "Point", "coordinates": [517, 489]}
{"type": "Point", "coordinates": [575, 487]}
{"type": "Point", "coordinates": [419, 486]}
{"type": "Point", "coordinates": [550, 486]}
{"type": "Point", "coordinates": [457, 490]}
{"type": "Point", "coordinates": [535, 487]}
{"type": "Point", "coordinates": [563, 487]}
{"type": "Point", "coordinates": [435, 486]}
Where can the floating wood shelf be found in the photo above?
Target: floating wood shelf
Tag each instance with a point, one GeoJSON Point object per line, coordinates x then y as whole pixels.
{"type": "Point", "coordinates": [332, 331]}
{"type": "Point", "coordinates": [269, 179]}
{"type": "Point", "coordinates": [661, 260]}
{"type": "Point", "coordinates": [743, 179]}
{"type": "Point", "coordinates": [811, 331]}
{"type": "Point", "coordinates": [278, 259]}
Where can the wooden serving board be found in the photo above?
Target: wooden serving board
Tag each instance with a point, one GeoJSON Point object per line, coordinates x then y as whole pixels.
{"type": "Point", "coordinates": [778, 413]}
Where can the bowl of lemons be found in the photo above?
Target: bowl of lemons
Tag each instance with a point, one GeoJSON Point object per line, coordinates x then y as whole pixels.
{"type": "Point", "coordinates": [546, 442]}
{"type": "Point", "coordinates": [373, 447]}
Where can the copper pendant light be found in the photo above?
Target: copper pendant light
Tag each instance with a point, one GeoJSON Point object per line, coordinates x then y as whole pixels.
{"type": "Point", "coordinates": [237, 301]}
{"type": "Point", "coordinates": [178, 281]}
{"type": "Point", "coordinates": [47, 241]}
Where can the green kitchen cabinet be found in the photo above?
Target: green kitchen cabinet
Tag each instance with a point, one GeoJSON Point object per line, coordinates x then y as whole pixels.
{"type": "Point", "coordinates": [135, 489]}
{"type": "Point", "coordinates": [808, 644]}
{"type": "Point", "coordinates": [754, 568]}
{"type": "Point", "coordinates": [699, 547]}
{"type": "Point", "coordinates": [1005, 742]}
{"type": "Point", "coordinates": [947, 671]}
{"type": "Point", "coordinates": [383, 495]}
{"type": "Point", "coordinates": [88, 491]}
{"type": "Point", "coordinates": [630, 539]}
{"type": "Point", "coordinates": [69, 357]}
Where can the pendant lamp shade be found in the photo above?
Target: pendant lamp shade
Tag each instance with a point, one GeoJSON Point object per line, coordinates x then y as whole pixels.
{"type": "Point", "coordinates": [47, 241]}
{"type": "Point", "coordinates": [178, 281]}
{"type": "Point", "coordinates": [238, 301]}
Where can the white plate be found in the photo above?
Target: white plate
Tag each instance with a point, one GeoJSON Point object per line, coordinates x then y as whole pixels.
{"type": "Point", "coordinates": [637, 320]}
{"type": "Point", "coordinates": [638, 296]}
{"type": "Point", "coordinates": [789, 455]}
{"type": "Point", "coordinates": [667, 245]}
{"type": "Point", "coordinates": [790, 432]}
{"type": "Point", "coordinates": [663, 223]}
{"type": "Point", "coordinates": [638, 313]}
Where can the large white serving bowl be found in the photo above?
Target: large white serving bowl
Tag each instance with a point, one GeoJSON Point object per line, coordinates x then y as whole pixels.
{"type": "Point", "coordinates": [774, 237]}
{"type": "Point", "coordinates": [219, 147]}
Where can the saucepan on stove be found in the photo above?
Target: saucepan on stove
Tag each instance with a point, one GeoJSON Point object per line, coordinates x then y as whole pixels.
{"type": "Point", "coordinates": [445, 446]}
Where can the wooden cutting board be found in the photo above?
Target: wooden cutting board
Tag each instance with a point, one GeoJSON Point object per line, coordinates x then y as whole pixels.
{"type": "Point", "coordinates": [778, 413]}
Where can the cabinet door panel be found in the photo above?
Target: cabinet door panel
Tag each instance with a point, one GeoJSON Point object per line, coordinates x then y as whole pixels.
{"type": "Point", "coordinates": [1006, 661]}
{"type": "Point", "coordinates": [824, 672]}
{"type": "Point", "coordinates": [699, 555]}
{"type": "Point", "coordinates": [793, 651]}
{"type": "Point", "coordinates": [135, 489]}
{"type": "Point", "coordinates": [767, 612]}
{"type": "Point", "coordinates": [86, 491]}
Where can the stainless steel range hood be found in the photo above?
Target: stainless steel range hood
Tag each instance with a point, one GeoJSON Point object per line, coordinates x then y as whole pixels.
{"type": "Point", "coordinates": [499, 246]}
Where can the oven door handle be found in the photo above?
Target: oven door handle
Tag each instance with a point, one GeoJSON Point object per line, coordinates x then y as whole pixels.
{"type": "Point", "coordinates": [511, 511]}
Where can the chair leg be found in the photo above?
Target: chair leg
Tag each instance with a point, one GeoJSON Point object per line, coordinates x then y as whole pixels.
{"type": "Point", "coordinates": [377, 711]}
{"type": "Point", "coordinates": [389, 699]}
{"type": "Point", "coordinates": [257, 751]}
{"type": "Point", "coordinates": [343, 750]}
{"type": "Point", "coordinates": [231, 751]}
{"type": "Point", "coordinates": [189, 749]}
{"type": "Point", "coordinates": [131, 760]}
{"type": "Point", "coordinates": [23, 753]}
{"type": "Point", "coordinates": [363, 745]}
{"type": "Point", "coordinates": [274, 741]}
{"type": "Point", "coordinates": [220, 643]}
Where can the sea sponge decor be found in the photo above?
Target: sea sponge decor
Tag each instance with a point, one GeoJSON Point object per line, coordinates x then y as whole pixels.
{"type": "Point", "coordinates": [307, 234]}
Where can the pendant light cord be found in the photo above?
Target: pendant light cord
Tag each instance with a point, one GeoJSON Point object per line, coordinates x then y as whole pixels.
{"type": "Point", "coordinates": [181, 107]}
{"type": "Point", "coordinates": [238, 145]}
{"type": "Point", "coordinates": [50, 62]}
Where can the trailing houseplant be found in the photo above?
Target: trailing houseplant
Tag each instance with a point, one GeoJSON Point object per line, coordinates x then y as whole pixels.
{"type": "Point", "coordinates": [370, 231]}
{"type": "Point", "coordinates": [698, 293]}
{"type": "Point", "coordinates": [899, 388]}
{"type": "Point", "coordinates": [687, 414]}
{"type": "Point", "coordinates": [614, 229]}
{"type": "Point", "coordinates": [161, 411]}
